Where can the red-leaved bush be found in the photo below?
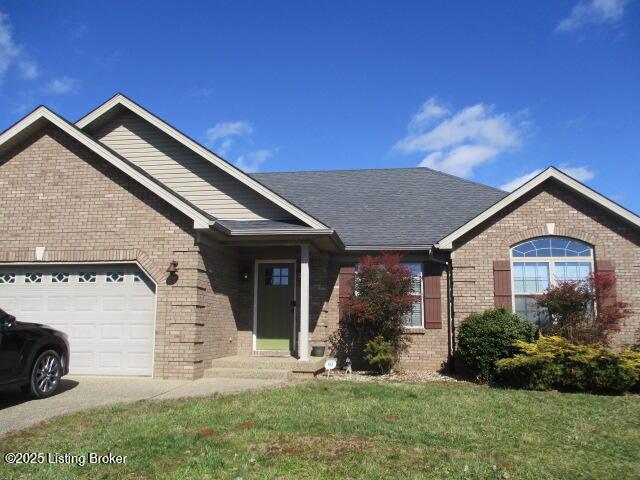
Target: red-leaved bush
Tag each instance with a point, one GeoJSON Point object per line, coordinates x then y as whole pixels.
{"type": "Point", "coordinates": [381, 300]}
{"type": "Point", "coordinates": [583, 311]}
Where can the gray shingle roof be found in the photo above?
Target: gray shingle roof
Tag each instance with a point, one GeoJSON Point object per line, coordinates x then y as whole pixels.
{"type": "Point", "coordinates": [403, 206]}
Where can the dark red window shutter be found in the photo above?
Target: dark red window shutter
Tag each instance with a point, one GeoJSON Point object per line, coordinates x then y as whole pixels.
{"type": "Point", "coordinates": [345, 286]}
{"type": "Point", "coordinates": [432, 295]}
{"type": "Point", "coordinates": [502, 284]}
{"type": "Point", "coordinates": [607, 267]}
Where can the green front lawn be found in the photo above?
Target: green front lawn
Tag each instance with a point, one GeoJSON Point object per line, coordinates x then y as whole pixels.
{"type": "Point", "coordinates": [349, 430]}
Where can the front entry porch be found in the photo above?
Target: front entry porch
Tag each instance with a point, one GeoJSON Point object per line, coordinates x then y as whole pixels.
{"type": "Point", "coordinates": [274, 302]}
{"type": "Point", "coordinates": [265, 303]}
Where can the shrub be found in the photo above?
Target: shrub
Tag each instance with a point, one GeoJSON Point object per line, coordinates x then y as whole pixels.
{"type": "Point", "coordinates": [633, 357]}
{"type": "Point", "coordinates": [380, 354]}
{"type": "Point", "coordinates": [381, 300]}
{"type": "Point", "coordinates": [554, 362]}
{"type": "Point", "coordinates": [487, 337]}
{"type": "Point", "coordinates": [572, 314]}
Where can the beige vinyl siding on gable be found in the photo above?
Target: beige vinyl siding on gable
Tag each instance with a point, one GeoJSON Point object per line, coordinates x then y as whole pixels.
{"type": "Point", "coordinates": [185, 172]}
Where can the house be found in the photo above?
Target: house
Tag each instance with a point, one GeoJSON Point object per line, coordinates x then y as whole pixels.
{"type": "Point", "coordinates": [157, 256]}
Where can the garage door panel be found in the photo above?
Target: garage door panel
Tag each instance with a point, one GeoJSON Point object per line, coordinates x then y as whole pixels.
{"type": "Point", "coordinates": [8, 303]}
{"type": "Point", "coordinates": [83, 331]}
{"type": "Point", "coordinates": [138, 359]}
{"type": "Point", "coordinates": [106, 310]}
{"type": "Point", "coordinates": [112, 331]}
{"type": "Point", "coordinates": [83, 358]}
{"type": "Point", "coordinates": [140, 332]}
{"type": "Point", "coordinates": [111, 359]}
{"type": "Point", "coordinates": [32, 304]}
{"type": "Point", "coordinates": [59, 303]}
{"type": "Point", "coordinates": [141, 303]}
{"type": "Point", "coordinates": [86, 303]}
{"type": "Point", "coordinates": [114, 303]}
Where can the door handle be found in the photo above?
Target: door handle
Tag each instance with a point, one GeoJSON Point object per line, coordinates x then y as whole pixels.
{"type": "Point", "coordinates": [293, 303]}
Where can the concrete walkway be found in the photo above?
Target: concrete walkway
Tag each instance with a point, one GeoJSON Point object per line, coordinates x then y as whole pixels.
{"type": "Point", "coordinates": [83, 392]}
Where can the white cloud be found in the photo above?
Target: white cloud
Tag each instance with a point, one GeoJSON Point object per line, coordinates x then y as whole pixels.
{"type": "Point", "coordinates": [581, 174]}
{"type": "Point", "coordinates": [251, 161]}
{"type": "Point", "coordinates": [28, 69]}
{"type": "Point", "coordinates": [462, 140]}
{"type": "Point", "coordinates": [12, 54]}
{"type": "Point", "coordinates": [60, 86]}
{"type": "Point", "coordinates": [221, 135]}
{"type": "Point", "coordinates": [592, 12]}
{"type": "Point", "coordinates": [200, 92]}
{"type": "Point", "coordinates": [225, 136]}
{"type": "Point", "coordinates": [429, 111]}
{"type": "Point", "coordinates": [8, 49]}
{"type": "Point", "coordinates": [516, 182]}
{"type": "Point", "coordinates": [228, 129]}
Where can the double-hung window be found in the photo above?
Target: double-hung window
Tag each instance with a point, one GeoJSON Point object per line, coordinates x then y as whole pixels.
{"type": "Point", "coordinates": [414, 319]}
{"type": "Point", "coordinates": [542, 262]}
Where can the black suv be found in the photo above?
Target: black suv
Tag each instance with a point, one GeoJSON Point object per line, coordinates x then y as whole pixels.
{"type": "Point", "coordinates": [32, 356]}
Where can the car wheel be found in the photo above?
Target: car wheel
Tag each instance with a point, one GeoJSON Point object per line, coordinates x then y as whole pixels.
{"type": "Point", "coordinates": [45, 374]}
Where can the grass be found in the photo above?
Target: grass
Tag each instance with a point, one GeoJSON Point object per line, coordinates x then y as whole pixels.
{"type": "Point", "coordinates": [349, 430]}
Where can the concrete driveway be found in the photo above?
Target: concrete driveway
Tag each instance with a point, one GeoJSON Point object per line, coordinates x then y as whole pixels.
{"type": "Point", "coordinates": [83, 392]}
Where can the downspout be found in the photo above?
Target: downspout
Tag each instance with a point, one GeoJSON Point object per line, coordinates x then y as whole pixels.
{"type": "Point", "coordinates": [450, 313]}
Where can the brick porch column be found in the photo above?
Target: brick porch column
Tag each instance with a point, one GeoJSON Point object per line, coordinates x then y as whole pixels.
{"type": "Point", "coordinates": [304, 303]}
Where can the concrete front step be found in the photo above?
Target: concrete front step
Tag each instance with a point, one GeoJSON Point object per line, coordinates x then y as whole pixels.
{"type": "Point", "coordinates": [261, 373]}
{"type": "Point", "coordinates": [239, 366]}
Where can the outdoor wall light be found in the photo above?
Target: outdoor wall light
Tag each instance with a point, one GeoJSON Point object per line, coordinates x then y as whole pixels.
{"type": "Point", "coordinates": [245, 274]}
{"type": "Point", "coordinates": [173, 267]}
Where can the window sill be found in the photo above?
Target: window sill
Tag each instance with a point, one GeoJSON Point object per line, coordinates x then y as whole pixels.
{"type": "Point", "coordinates": [415, 331]}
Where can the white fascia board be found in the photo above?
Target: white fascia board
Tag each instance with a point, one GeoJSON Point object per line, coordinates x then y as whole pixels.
{"type": "Point", "coordinates": [236, 173]}
{"type": "Point", "coordinates": [387, 247]}
{"type": "Point", "coordinates": [270, 231]}
{"type": "Point", "coordinates": [447, 242]}
{"type": "Point", "coordinates": [200, 221]}
{"type": "Point", "coordinates": [238, 233]}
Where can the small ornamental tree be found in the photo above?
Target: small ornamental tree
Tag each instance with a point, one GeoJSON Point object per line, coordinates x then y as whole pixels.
{"type": "Point", "coordinates": [375, 312]}
{"type": "Point", "coordinates": [583, 311]}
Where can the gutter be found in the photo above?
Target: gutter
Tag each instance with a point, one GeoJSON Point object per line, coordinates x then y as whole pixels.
{"type": "Point", "coordinates": [450, 310]}
{"type": "Point", "coordinates": [278, 232]}
{"type": "Point", "coordinates": [387, 247]}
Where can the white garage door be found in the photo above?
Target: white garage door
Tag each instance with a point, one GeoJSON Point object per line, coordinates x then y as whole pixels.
{"type": "Point", "coordinates": [108, 311]}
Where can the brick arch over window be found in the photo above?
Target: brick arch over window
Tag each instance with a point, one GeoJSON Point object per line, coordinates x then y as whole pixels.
{"type": "Point", "coordinates": [559, 231]}
{"type": "Point", "coordinates": [88, 256]}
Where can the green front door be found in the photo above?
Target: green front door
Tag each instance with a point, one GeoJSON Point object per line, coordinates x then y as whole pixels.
{"type": "Point", "coordinates": [276, 306]}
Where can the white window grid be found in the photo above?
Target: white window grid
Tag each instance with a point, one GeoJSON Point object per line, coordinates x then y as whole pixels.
{"type": "Point", "coordinates": [59, 277]}
{"type": "Point", "coordinates": [7, 278]}
{"type": "Point", "coordinates": [553, 278]}
{"type": "Point", "coordinates": [418, 280]}
{"type": "Point", "coordinates": [87, 277]}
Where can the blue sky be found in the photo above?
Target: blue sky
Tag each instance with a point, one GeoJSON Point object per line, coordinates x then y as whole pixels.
{"type": "Point", "coordinates": [492, 91]}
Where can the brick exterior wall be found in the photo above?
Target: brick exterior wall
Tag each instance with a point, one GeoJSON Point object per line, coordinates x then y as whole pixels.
{"type": "Point", "coordinates": [57, 194]}
{"type": "Point", "coordinates": [574, 217]}
{"type": "Point", "coordinates": [428, 349]}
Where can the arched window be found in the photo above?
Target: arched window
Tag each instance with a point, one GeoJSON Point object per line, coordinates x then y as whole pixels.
{"type": "Point", "coordinates": [541, 262]}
